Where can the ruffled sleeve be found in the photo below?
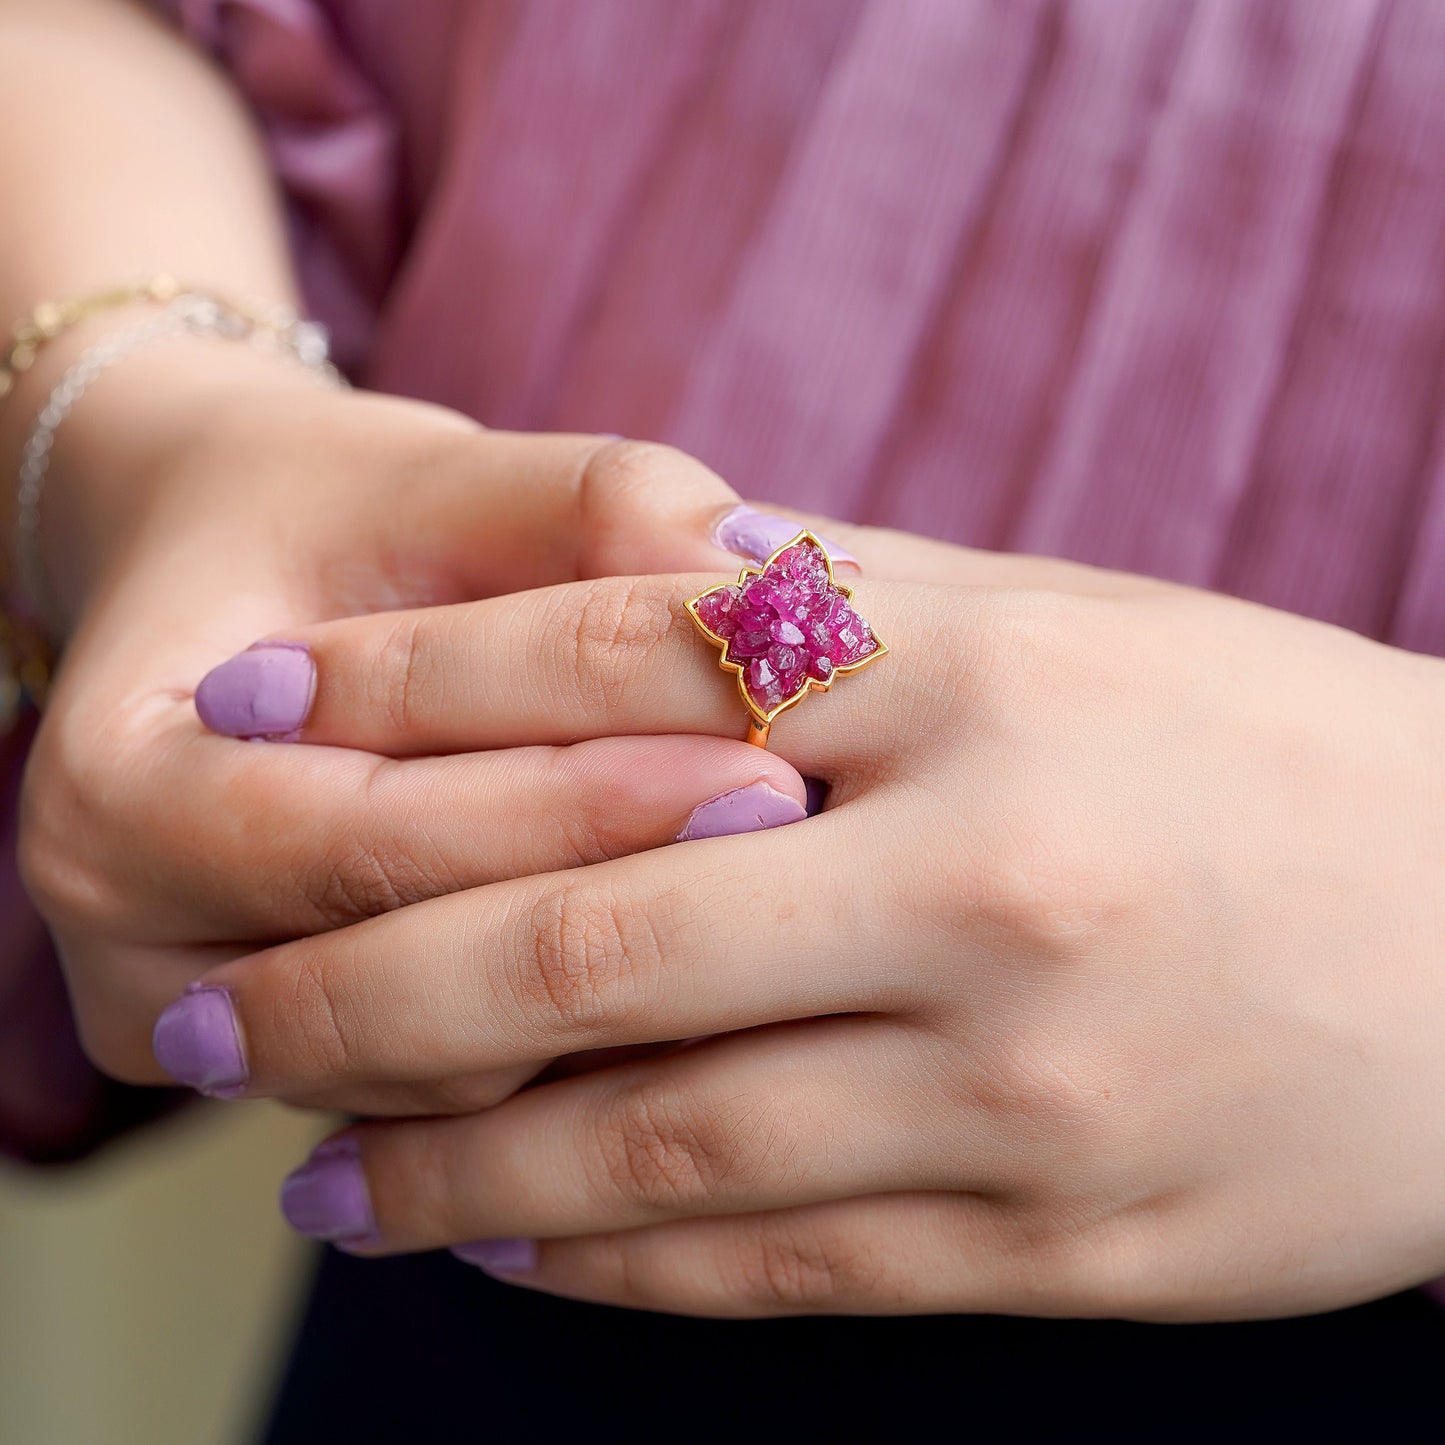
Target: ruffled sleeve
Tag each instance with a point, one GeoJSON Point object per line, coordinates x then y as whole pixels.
{"type": "Point", "coordinates": [333, 145]}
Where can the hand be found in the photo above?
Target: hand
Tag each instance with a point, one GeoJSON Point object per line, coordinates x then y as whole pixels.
{"type": "Point", "coordinates": [1109, 984]}
{"type": "Point", "coordinates": [156, 848]}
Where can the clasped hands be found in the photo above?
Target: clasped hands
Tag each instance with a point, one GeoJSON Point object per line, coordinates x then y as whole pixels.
{"type": "Point", "coordinates": [1107, 983]}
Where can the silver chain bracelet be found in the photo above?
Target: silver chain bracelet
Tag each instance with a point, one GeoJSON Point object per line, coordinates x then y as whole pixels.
{"type": "Point", "coordinates": [188, 314]}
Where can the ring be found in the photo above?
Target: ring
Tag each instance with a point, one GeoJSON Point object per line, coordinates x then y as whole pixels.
{"type": "Point", "coordinates": [786, 629]}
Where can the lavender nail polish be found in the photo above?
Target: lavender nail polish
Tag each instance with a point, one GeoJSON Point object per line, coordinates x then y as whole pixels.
{"type": "Point", "coordinates": [744, 810]}
{"type": "Point", "coordinates": [499, 1256]}
{"type": "Point", "coordinates": [757, 535]}
{"type": "Point", "coordinates": [327, 1197]}
{"type": "Point", "coordinates": [197, 1042]}
{"type": "Point", "coordinates": [264, 692]}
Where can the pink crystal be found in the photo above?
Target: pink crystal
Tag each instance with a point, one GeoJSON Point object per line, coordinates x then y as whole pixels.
{"type": "Point", "coordinates": [763, 683]}
{"type": "Point", "coordinates": [806, 565]}
{"type": "Point", "coordinates": [788, 626]}
{"type": "Point", "coordinates": [718, 610]}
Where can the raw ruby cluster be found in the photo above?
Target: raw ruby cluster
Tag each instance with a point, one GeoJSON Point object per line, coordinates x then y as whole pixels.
{"type": "Point", "coordinates": [787, 626]}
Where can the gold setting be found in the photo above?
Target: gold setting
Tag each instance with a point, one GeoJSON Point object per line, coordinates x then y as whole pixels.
{"type": "Point", "coordinates": [760, 723]}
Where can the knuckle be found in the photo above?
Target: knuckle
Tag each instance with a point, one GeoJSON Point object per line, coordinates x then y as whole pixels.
{"type": "Point", "coordinates": [1042, 883]}
{"type": "Point", "coordinates": [660, 1152]}
{"type": "Point", "coordinates": [306, 1016]}
{"type": "Point", "coordinates": [1026, 895]}
{"type": "Point", "coordinates": [1060, 1095]}
{"type": "Point", "coordinates": [618, 482]}
{"type": "Point", "coordinates": [360, 875]}
{"type": "Point", "coordinates": [788, 1266]}
{"type": "Point", "coordinates": [76, 800]}
{"type": "Point", "coordinates": [584, 956]}
{"type": "Point", "coordinates": [363, 879]}
{"type": "Point", "coordinates": [617, 629]}
{"type": "Point", "coordinates": [404, 672]}
{"type": "Point", "coordinates": [64, 889]}
{"type": "Point", "coordinates": [360, 884]}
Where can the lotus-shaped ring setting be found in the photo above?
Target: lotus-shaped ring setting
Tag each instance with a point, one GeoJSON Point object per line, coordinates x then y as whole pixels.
{"type": "Point", "coordinates": [786, 629]}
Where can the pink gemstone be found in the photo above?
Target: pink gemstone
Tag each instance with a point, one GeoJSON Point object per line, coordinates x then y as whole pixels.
{"type": "Point", "coordinates": [764, 685]}
{"type": "Point", "coordinates": [775, 594]}
{"type": "Point", "coordinates": [718, 610]}
{"type": "Point", "coordinates": [749, 644]}
{"type": "Point", "coordinates": [805, 564]}
{"type": "Point", "coordinates": [787, 660]}
{"type": "Point", "coordinates": [758, 592]}
{"type": "Point", "coordinates": [855, 642]}
{"type": "Point", "coordinates": [787, 626]}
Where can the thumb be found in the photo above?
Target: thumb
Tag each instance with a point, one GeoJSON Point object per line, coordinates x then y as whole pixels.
{"type": "Point", "coordinates": [646, 508]}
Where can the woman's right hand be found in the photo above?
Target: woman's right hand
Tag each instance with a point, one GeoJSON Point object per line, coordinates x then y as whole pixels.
{"type": "Point", "coordinates": [262, 502]}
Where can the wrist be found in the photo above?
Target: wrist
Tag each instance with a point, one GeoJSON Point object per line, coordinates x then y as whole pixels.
{"type": "Point", "coordinates": [126, 443]}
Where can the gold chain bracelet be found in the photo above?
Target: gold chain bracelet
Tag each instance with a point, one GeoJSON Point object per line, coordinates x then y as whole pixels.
{"type": "Point", "coordinates": [54, 318]}
{"type": "Point", "coordinates": [26, 656]}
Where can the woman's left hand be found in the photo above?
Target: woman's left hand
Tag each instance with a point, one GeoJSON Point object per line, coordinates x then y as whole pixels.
{"type": "Point", "coordinates": [1110, 982]}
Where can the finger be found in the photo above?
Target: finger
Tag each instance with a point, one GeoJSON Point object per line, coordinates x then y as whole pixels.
{"type": "Point", "coordinates": [486, 514]}
{"type": "Point", "coordinates": [288, 841]}
{"type": "Point", "coordinates": [768, 1120]}
{"type": "Point", "coordinates": [886, 1254]}
{"type": "Point", "coordinates": [676, 944]}
{"type": "Point", "coordinates": [284, 842]}
{"type": "Point", "coordinates": [514, 510]}
{"type": "Point", "coordinates": [603, 658]}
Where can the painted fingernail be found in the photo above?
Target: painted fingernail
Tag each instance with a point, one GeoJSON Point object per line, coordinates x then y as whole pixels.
{"type": "Point", "coordinates": [327, 1197]}
{"type": "Point", "coordinates": [744, 810]}
{"type": "Point", "coordinates": [757, 535]}
{"type": "Point", "coordinates": [264, 692]}
{"type": "Point", "coordinates": [197, 1042]}
{"type": "Point", "coordinates": [499, 1256]}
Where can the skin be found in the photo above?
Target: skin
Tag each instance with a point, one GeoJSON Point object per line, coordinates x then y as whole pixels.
{"type": "Point", "coordinates": [1108, 983]}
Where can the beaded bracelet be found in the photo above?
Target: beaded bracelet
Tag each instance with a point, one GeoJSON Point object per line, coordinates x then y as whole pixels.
{"type": "Point", "coordinates": [26, 670]}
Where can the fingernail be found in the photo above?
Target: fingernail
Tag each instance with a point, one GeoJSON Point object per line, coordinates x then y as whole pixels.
{"type": "Point", "coordinates": [757, 535]}
{"type": "Point", "coordinates": [197, 1042]}
{"type": "Point", "coordinates": [264, 692]}
{"type": "Point", "coordinates": [744, 810]}
{"type": "Point", "coordinates": [327, 1197]}
{"type": "Point", "coordinates": [499, 1256]}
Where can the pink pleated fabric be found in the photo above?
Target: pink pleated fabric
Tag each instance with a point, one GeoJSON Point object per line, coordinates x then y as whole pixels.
{"type": "Point", "coordinates": [1158, 284]}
